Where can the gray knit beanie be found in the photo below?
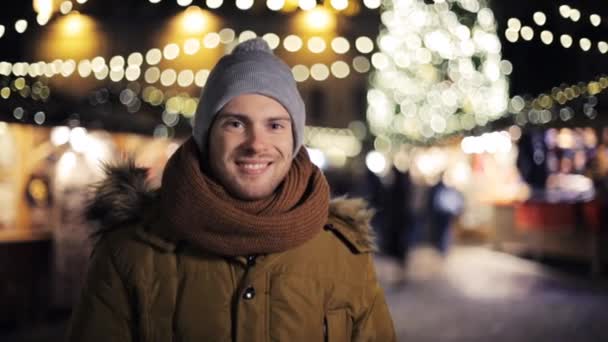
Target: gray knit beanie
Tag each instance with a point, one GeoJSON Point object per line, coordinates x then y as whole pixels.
{"type": "Point", "coordinates": [252, 67]}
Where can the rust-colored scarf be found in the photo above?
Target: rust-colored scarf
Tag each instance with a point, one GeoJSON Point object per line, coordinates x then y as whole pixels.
{"type": "Point", "coordinates": [200, 211]}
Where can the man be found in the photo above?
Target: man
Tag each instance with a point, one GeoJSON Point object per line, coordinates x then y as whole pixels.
{"type": "Point", "coordinates": [241, 242]}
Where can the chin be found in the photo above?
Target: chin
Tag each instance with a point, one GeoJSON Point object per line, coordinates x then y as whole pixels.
{"type": "Point", "coordinates": [252, 196]}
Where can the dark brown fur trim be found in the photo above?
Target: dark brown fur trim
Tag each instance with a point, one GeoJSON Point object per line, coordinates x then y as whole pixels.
{"type": "Point", "coordinates": [121, 198]}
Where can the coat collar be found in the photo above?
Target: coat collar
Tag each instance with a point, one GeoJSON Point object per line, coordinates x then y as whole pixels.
{"type": "Point", "coordinates": [125, 198]}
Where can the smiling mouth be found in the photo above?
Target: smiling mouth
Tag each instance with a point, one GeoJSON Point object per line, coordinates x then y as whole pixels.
{"type": "Point", "coordinates": [250, 168]}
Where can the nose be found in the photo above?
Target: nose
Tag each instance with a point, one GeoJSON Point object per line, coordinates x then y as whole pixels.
{"type": "Point", "coordinates": [256, 140]}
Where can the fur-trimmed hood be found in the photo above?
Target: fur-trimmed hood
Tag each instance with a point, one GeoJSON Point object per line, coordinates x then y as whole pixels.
{"type": "Point", "coordinates": [124, 196]}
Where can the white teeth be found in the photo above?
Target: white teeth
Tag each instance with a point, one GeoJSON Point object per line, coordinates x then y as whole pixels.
{"type": "Point", "coordinates": [254, 166]}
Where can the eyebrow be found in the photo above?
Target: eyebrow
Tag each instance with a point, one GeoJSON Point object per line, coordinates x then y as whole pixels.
{"type": "Point", "coordinates": [245, 118]}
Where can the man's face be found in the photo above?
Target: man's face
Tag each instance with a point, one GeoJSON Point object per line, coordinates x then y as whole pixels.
{"type": "Point", "coordinates": [251, 146]}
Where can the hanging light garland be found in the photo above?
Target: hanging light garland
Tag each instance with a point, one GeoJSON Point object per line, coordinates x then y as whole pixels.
{"type": "Point", "coordinates": [554, 105]}
{"type": "Point", "coordinates": [516, 30]}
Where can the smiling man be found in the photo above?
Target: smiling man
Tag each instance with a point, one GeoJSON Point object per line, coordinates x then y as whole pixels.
{"type": "Point", "coordinates": [241, 241]}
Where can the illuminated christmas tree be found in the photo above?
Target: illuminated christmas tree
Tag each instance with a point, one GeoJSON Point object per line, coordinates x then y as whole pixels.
{"type": "Point", "coordinates": [438, 70]}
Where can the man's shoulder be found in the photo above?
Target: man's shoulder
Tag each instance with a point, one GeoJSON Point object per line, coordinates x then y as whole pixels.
{"type": "Point", "coordinates": [349, 220]}
{"type": "Point", "coordinates": [124, 213]}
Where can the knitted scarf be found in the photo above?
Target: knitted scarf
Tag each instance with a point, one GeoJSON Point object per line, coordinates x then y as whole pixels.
{"type": "Point", "coordinates": [199, 209]}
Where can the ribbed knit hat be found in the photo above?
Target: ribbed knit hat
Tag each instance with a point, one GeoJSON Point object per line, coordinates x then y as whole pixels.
{"type": "Point", "coordinates": [251, 68]}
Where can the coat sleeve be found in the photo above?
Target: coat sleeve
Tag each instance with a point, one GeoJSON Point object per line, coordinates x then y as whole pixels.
{"type": "Point", "coordinates": [376, 324]}
{"type": "Point", "coordinates": [103, 312]}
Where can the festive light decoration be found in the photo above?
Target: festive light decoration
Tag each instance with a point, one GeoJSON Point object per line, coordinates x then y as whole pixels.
{"type": "Point", "coordinates": [425, 84]}
{"type": "Point", "coordinates": [547, 107]}
{"type": "Point", "coordinates": [515, 30]}
{"type": "Point", "coordinates": [172, 51]}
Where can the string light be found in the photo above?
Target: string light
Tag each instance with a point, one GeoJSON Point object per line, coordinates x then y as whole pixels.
{"type": "Point", "coordinates": [246, 35]}
{"type": "Point", "coordinates": [364, 44]}
{"type": "Point", "coordinates": [214, 4]}
{"type": "Point", "coordinates": [20, 25]}
{"type": "Point", "coordinates": [595, 20]}
{"type": "Point", "coordinates": [340, 45]}
{"type": "Point", "coordinates": [292, 43]}
{"type": "Point", "coordinates": [307, 5]}
{"type": "Point", "coordinates": [539, 18]}
{"type": "Point", "coordinates": [300, 73]}
{"type": "Point", "coordinates": [244, 4]}
{"type": "Point", "coordinates": [275, 5]}
{"type": "Point", "coordinates": [211, 40]}
{"type": "Point", "coordinates": [316, 45]}
{"type": "Point", "coordinates": [272, 39]}
{"type": "Point", "coordinates": [372, 4]}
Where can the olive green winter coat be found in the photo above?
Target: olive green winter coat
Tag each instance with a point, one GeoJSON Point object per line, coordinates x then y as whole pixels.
{"type": "Point", "coordinates": [141, 286]}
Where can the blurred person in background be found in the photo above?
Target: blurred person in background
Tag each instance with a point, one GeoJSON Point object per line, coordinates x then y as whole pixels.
{"type": "Point", "coordinates": [445, 204]}
{"type": "Point", "coordinates": [241, 241]}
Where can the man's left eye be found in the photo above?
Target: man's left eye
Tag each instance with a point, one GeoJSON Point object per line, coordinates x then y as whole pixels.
{"type": "Point", "coordinates": [276, 126]}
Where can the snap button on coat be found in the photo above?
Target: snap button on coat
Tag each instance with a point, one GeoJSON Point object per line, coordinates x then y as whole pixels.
{"type": "Point", "coordinates": [249, 293]}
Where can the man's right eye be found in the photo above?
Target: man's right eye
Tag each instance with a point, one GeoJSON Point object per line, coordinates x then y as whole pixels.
{"type": "Point", "coordinates": [234, 124]}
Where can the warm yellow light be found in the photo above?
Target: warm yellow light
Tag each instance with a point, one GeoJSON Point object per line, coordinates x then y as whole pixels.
{"type": "Point", "coordinates": [300, 73]}
{"type": "Point", "coordinates": [372, 4]}
{"type": "Point", "coordinates": [194, 20]}
{"type": "Point", "coordinates": [364, 44]}
{"type": "Point", "coordinates": [546, 37]}
{"type": "Point", "coordinates": [117, 62]}
{"type": "Point", "coordinates": [275, 5]}
{"type": "Point", "coordinates": [539, 18]}
{"type": "Point", "coordinates": [319, 19]}
{"type": "Point", "coordinates": [5, 92]}
{"type": "Point", "coordinates": [213, 4]}
{"type": "Point", "coordinates": [244, 4]}
{"type": "Point", "coordinates": [66, 7]}
{"type": "Point", "coordinates": [292, 43]}
{"type": "Point", "coordinates": [595, 20]}
{"type": "Point", "coordinates": [132, 73]}
{"type": "Point", "coordinates": [340, 69]}
{"type": "Point", "coordinates": [152, 75]}
{"type": "Point", "coordinates": [340, 45]}
{"type": "Point", "coordinates": [68, 67]}
{"type": "Point", "coordinates": [212, 40]}
{"type": "Point", "coordinates": [527, 33]}
{"type": "Point", "coordinates": [201, 77]}
{"type": "Point", "coordinates": [585, 44]}
{"type": "Point", "coordinates": [171, 51]}
{"type": "Point", "coordinates": [272, 39]}
{"type": "Point", "coordinates": [566, 40]}
{"type": "Point", "coordinates": [135, 58]}
{"type": "Point", "coordinates": [290, 5]}
{"type": "Point", "coordinates": [307, 4]}
{"type": "Point", "coordinates": [316, 45]}
{"type": "Point", "coordinates": [246, 35]}
{"type": "Point", "coordinates": [21, 25]}
{"type": "Point", "coordinates": [153, 56]}
{"type": "Point", "coordinates": [339, 4]}
{"type": "Point", "coordinates": [43, 6]}
{"type": "Point", "coordinates": [97, 64]}
{"type": "Point", "coordinates": [227, 35]}
{"type": "Point", "coordinates": [361, 64]}
{"type": "Point", "coordinates": [191, 46]}
{"type": "Point", "coordinates": [2, 29]}
{"type": "Point", "coordinates": [185, 78]}
{"type": "Point", "coordinates": [319, 72]}
{"type": "Point", "coordinates": [189, 107]}
{"type": "Point", "coordinates": [168, 77]}
{"type": "Point", "coordinates": [102, 73]}
{"type": "Point", "coordinates": [116, 75]}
